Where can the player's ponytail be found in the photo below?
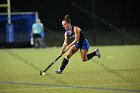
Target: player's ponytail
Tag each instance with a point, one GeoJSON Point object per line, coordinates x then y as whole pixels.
{"type": "Point", "coordinates": [67, 19]}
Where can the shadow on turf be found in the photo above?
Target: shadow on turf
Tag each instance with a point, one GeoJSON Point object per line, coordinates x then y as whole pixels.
{"type": "Point", "coordinates": [113, 72]}
{"type": "Point", "coordinates": [60, 81]}
{"type": "Point", "coordinates": [57, 78]}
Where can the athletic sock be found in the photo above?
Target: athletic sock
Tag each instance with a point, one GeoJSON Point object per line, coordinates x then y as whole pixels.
{"type": "Point", "coordinates": [90, 55]}
{"type": "Point", "coordinates": [63, 64]}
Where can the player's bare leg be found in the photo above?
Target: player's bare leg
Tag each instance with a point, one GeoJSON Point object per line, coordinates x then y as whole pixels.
{"type": "Point", "coordinates": [84, 55]}
{"type": "Point", "coordinates": [70, 52]}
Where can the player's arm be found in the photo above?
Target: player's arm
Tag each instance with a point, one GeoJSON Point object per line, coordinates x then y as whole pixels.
{"type": "Point", "coordinates": [64, 44]}
{"type": "Point", "coordinates": [77, 36]}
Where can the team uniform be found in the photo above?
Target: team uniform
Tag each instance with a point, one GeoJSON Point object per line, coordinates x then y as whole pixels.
{"type": "Point", "coordinates": [83, 42]}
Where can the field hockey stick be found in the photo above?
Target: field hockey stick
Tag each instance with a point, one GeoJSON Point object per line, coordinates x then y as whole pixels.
{"type": "Point", "coordinates": [43, 72]}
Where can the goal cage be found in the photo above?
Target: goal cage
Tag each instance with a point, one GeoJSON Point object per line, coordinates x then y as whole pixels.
{"type": "Point", "coordinates": [19, 31]}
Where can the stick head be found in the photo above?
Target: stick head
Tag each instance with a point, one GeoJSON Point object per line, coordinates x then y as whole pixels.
{"type": "Point", "coordinates": [42, 73]}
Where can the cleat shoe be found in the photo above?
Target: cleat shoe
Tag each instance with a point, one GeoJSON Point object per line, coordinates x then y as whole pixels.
{"type": "Point", "coordinates": [97, 52]}
{"type": "Point", "coordinates": [58, 71]}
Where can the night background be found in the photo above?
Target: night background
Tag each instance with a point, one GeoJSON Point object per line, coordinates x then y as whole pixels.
{"type": "Point", "coordinates": [117, 12]}
{"type": "Point", "coordinates": [94, 17]}
{"type": "Point", "coordinates": [121, 13]}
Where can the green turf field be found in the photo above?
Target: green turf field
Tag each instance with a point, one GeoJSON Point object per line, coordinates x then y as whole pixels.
{"type": "Point", "coordinates": [117, 71]}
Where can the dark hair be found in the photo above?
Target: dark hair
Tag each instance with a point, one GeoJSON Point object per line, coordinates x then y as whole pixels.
{"type": "Point", "coordinates": [67, 19]}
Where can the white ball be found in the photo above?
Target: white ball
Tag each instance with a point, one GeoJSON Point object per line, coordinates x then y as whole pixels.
{"type": "Point", "coordinates": [43, 73]}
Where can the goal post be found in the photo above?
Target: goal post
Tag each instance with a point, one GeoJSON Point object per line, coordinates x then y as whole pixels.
{"type": "Point", "coordinates": [9, 25]}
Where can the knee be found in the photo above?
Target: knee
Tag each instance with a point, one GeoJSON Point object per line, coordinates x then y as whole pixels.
{"type": "Point", "coordinates": [68, 56]}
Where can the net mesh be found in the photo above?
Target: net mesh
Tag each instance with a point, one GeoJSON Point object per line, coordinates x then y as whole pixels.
{"type": "Point", "coordinates": [22, 23]}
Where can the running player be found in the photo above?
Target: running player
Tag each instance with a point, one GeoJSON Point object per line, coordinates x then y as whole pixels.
{"type": "Point", "coordinates": [79, 42]}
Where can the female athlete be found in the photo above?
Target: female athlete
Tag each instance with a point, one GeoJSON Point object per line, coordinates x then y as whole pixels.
{"type": "Point", "coordinates": [79, 42]}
